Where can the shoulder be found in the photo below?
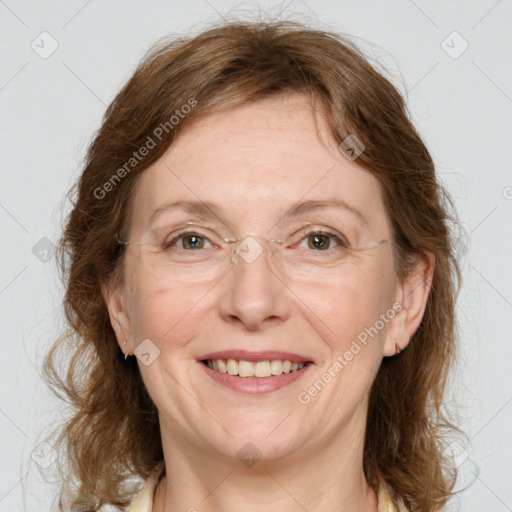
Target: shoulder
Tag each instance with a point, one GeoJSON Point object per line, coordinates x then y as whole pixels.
{"type": "Point", "coordinates": [143, 501]}
{"type": "Point", "coordinates": [386, 502]}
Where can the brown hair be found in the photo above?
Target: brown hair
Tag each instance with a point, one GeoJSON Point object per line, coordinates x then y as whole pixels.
{"type": "Point", "coordinates": [113, 431]}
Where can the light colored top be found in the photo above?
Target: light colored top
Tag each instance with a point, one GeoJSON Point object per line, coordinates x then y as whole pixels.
{"type": "Point", "coordinates": [143, 501]}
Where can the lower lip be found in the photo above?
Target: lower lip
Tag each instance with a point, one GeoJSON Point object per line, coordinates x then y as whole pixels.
{"type": "Point", "coordinates": [255, 385]}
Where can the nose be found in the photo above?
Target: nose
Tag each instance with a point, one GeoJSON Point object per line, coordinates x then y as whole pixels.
{"type": "Point", "coordinates": [254, 294]}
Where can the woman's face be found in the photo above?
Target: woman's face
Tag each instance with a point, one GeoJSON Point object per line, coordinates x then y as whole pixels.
{"type": "Point", "coordinates": [338, 311]}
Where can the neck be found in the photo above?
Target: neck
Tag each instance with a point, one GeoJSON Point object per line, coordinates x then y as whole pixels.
{"type": "Point", "coordinates": [328, 477]}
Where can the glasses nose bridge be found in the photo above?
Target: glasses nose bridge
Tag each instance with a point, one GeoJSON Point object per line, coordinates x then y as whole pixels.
{"type": "Point", "coordinates": [250, 247]}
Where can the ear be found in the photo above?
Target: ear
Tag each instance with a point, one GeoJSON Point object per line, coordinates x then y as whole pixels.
{"type": "Point", "coordinates": [115, 298]}
{"type": "Point", "coordinates": [411, 300]}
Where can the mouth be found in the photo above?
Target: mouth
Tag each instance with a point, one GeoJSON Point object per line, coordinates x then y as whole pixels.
{"type": "Point", "coordinates": [259, 369]}
{"type": "Point", "coordinates": [254, 372]}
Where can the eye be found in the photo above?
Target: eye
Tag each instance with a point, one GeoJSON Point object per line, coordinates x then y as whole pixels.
{"type": "Point", "coordinates": [189, 241]}
{"type": "Point", "coordinates": [322, 240]}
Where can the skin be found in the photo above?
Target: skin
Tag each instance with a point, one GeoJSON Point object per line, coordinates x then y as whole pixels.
{"type": "Point", "coordinates": [253, 160]}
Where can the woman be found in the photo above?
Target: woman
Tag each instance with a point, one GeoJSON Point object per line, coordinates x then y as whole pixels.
{"type": "Point", "coordinates": [260, 286]}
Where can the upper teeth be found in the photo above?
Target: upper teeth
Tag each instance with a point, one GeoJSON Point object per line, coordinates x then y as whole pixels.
{"type": "Point", "coordinates": [253, 369]}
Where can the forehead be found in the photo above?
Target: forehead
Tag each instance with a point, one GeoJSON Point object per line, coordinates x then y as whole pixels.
{"type": "Point", "coordinates": [255, 160]}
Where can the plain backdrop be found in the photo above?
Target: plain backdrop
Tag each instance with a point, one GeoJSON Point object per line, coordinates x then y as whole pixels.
{"type": "Point", "coordinates": [62, 64]}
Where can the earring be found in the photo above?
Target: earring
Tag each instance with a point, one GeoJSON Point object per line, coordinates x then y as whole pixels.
{"type": "Point", "coordinates": [397, 349]}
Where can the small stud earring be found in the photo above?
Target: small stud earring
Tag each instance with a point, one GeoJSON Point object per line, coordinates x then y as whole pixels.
{"type": "Point", "coordinates": [126, 355]}
{"type": "Point", "coordinates": [397, 349]}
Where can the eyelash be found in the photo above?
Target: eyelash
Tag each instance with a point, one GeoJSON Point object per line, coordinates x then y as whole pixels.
{"type": "Point", "coordinates": [340, 240]}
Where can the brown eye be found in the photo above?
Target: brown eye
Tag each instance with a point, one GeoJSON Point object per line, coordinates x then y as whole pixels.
{"type": "Point", "coordinates": [322, 241]}
{"type": "Point", "coordinates": [193, 242]}
{"type": "Point", "coordinates": [189, 241]}
{"type": "Point", "coordinates": [318, 241]}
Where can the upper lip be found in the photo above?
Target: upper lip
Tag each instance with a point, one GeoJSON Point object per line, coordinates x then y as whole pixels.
{"type": "Point", "coordinates": [245, 355]}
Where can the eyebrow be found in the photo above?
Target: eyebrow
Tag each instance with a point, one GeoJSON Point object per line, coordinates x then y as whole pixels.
{"type": "Point", "coordinates": [209, 210]}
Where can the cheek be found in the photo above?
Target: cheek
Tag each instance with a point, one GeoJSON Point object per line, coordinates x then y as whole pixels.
{"type": "Point", "coordinates": [351, 315]}
{"type": "Point", "coordinates": [352, 304]}
{"type": "Point", "coordinates": [163, 311]}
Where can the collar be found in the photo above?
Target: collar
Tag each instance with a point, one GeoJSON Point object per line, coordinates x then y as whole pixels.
{"type": "Point", "coordinates": [143, 501]}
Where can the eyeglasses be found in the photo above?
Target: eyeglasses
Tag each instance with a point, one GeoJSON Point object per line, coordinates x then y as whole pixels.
{"type": "Point", "coordinates": [198, 253]}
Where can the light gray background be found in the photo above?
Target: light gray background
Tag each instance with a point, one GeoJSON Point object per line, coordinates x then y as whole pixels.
{"type": "Point", "coordinates": [51, 107]}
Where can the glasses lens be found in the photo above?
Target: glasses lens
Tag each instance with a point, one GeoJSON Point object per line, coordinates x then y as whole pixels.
{"type": "Point", "coordinates": [198, 253]}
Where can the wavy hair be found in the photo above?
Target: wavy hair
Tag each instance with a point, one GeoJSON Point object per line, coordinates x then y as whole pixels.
{"type": "Point", "coordinates": [112, 433]}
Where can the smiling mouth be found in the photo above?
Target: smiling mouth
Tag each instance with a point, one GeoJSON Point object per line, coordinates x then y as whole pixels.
{"type": "Point", "coordinates": [262, 369]}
